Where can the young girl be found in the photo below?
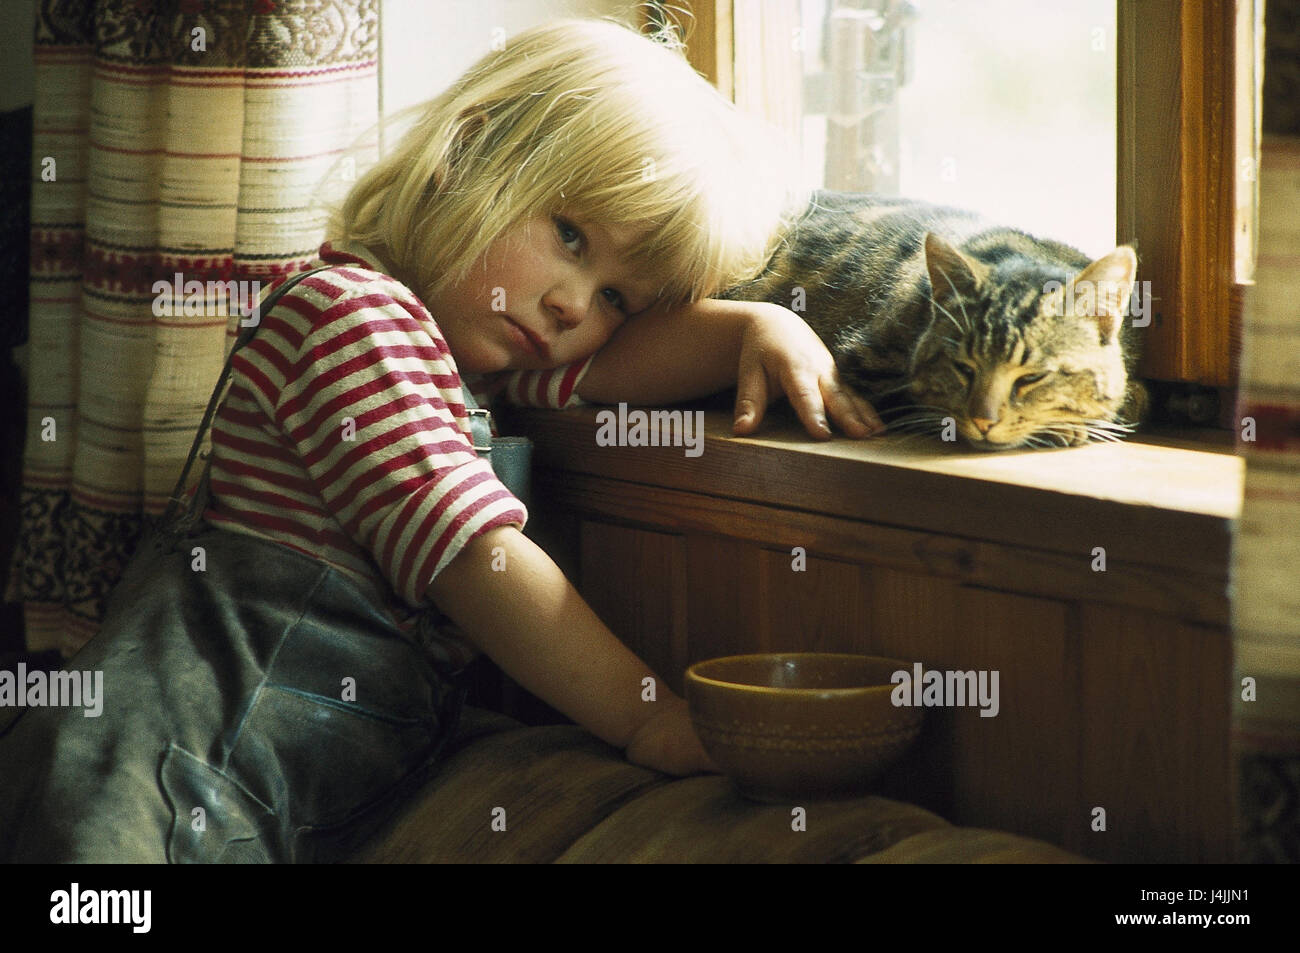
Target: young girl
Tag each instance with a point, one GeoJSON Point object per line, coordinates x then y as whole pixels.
{"type": "Point", "coordinates": [280, 682]}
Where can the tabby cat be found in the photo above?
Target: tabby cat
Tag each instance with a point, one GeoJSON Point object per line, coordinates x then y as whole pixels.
{"type": "Point", "coordinates": [949, 324]}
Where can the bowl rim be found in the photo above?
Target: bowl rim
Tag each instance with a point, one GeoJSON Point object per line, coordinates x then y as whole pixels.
{"type": "Point", "coordinates": [693, 676]}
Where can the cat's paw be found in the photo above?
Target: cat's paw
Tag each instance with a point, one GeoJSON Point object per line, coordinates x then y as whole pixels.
{"type": "Point", "coordinates": [1137, 404]}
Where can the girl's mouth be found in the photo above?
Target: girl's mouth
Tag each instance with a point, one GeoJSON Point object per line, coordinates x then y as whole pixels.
{"type": "Point", "coordinates": [527, 341]}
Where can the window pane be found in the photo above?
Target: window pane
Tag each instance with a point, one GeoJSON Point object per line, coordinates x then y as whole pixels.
{"type": "Point", "coordinates": [1006, 107]}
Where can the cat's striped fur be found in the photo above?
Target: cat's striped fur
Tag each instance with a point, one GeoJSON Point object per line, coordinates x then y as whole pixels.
{"type": "Point", "coordinates": [946, 321]}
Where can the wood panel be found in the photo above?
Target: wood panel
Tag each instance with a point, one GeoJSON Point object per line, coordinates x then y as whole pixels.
{"type": "Point", "coordinates": [913, 617]}
{"type": "Point", "coordinates": [636, 582]}
{"type": "Point", "coordinates": [1177, 593]}
{"type": "Point", "coordinates": [1156, 699]}
{"type": "Point", "coordinates": [816, 608]}
{"type": "Point", "coordinates": [1016, 771]}
{"type": "Point", "coordinates": [723, 613]}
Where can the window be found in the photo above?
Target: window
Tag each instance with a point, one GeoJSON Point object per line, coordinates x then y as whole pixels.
{"type": "Point", "coordinates": [1004, 107]}
{"type": "Point", "coordinates": [1175, 148]}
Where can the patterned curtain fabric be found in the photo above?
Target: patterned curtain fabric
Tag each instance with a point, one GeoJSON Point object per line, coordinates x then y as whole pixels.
{"type": "Point", "coordinates": [170, 137]}
{"type": "Point", "coordinates": [1266, 555]}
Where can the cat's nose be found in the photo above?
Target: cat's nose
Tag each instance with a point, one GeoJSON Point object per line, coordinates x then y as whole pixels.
{"type": "Point", "coordinates": [983, 424]}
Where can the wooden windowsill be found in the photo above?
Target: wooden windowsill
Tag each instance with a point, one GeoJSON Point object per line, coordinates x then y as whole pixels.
{"type": "Point", "coordinates": [1164, 501]}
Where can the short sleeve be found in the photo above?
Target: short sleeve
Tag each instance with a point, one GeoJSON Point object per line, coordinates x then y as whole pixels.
{"type": "Point", "coordinates": [366, 393]}
{"type": "Point", "coordinates": [555, 389]}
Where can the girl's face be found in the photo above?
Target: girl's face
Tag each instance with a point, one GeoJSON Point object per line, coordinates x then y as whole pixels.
{"type": "Point", "coordinates": [548, 292]}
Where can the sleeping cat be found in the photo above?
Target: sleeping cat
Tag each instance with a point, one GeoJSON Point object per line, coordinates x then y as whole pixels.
{"type": "Point", "coordinates": [953, 325]}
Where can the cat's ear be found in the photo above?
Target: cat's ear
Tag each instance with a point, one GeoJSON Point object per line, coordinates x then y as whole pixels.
{"type": "Point", "coordinates": [1102, 290]}
{"type": "Point", "coordinates": [951, 272]}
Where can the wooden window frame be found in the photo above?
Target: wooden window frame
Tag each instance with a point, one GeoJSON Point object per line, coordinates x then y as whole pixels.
{"type": "Point", "coordinates": [1176, 175]}
{"type": "Point", "coordinates": [1176, 181]}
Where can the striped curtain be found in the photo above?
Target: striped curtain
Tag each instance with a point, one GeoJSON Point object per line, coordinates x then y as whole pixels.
{"type": "Point", "coordinates": [176, 141]}
{"type": "Point", "coordinates": [1266, 553]}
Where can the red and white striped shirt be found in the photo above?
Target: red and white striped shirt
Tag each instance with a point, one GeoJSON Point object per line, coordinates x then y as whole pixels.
{"type": "Point", "coordinates": [344, 435]}
{"type": "Point", "coordinates": [554, 389]}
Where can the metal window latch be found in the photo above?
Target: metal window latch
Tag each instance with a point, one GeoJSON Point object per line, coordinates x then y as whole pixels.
{"type": "Point", "coordinates": [868, 53]}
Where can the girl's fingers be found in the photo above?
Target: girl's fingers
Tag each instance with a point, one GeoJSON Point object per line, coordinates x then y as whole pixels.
{"type": "Point", "coordinates": [854, 416]}
{"type": "Point", "coordinates": [805, 396]}
{"type": "Point", "coordinates": [863, 412]}
{"type": "Point", "coordinates": [877, 425]}
{"type": "Point", "coordinates": [751, 397]}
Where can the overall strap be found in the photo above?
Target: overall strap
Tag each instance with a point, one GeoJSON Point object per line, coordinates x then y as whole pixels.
{"type": "Point", "coordinates": [177, 499]}
{"type": "Point", "coordinates": [480, 420]}
{"type": "Point", "coordinates": [510, 457]}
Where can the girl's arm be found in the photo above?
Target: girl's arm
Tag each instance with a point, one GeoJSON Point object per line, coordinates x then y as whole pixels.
{"type": "Point", "coordinates": [535, 625]}
{"type": "Point", "coordinates": [665, 356]}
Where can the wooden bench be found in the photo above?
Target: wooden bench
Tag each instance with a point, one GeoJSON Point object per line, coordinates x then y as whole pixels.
{"type": "Point", "coordinates": [556, 794]}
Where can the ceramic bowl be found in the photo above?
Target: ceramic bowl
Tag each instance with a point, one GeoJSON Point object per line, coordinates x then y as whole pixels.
{"type": "Point", "coordinates": [803, 725]}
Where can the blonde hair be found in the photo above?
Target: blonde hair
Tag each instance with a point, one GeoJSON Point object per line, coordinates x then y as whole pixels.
{"type": "Point", "coordinates": [589, 118]}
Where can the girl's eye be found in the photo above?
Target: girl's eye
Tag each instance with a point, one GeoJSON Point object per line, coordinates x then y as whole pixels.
{"type": "Point", "coordinates": [614, 298]}
{"type": "Point", "coordinates": [1027, 380]}
{"type": "Point", "coordinates": [568, 234]}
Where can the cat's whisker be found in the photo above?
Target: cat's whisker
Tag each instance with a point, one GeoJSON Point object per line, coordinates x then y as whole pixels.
{"type": "Point", "coordinates": [1104, 422]}
{"type": "Point", "coordinates": [934, 407]}
{"type": "Point", "coordinates": [964, 329]}
{"type": "Point", "coordinates": [922, 410]}
{"type": "Point", "coordinates": [949, 316]}
{"type": "Point", "coordinates": [918, 424]}
{"type": "Point", "coordinates": [912, 438]}
{"type": "Point", "coordinates": [909, 426]}
{"type": "Point", "coordinates": [1068, 431]}
{"type": "Point", "coordinates": [1111, 427]}
{"type": "Point", "coordinates": [897, 411]}
{"type": "Point", "coordinates": [893, 390]}
{"type": "Point", "coordinates": [960, 301]}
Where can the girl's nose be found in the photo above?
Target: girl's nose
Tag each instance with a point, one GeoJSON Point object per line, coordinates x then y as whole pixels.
{"type": "Point", "coordinates": [567, 305]}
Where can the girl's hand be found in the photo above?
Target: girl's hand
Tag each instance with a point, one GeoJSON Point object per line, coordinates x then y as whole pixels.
{"type": "Point", "coordinates": [781, 354]}
{"type": "Point", "coordinates": [667, 742]}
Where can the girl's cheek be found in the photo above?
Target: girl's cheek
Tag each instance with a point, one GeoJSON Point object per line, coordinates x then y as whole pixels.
{"type": "Point", "coordinates": [604, 332]}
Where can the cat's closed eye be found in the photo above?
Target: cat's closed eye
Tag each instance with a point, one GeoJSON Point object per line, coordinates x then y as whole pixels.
{"type": "Point", "coordinates": [1024, 382]}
